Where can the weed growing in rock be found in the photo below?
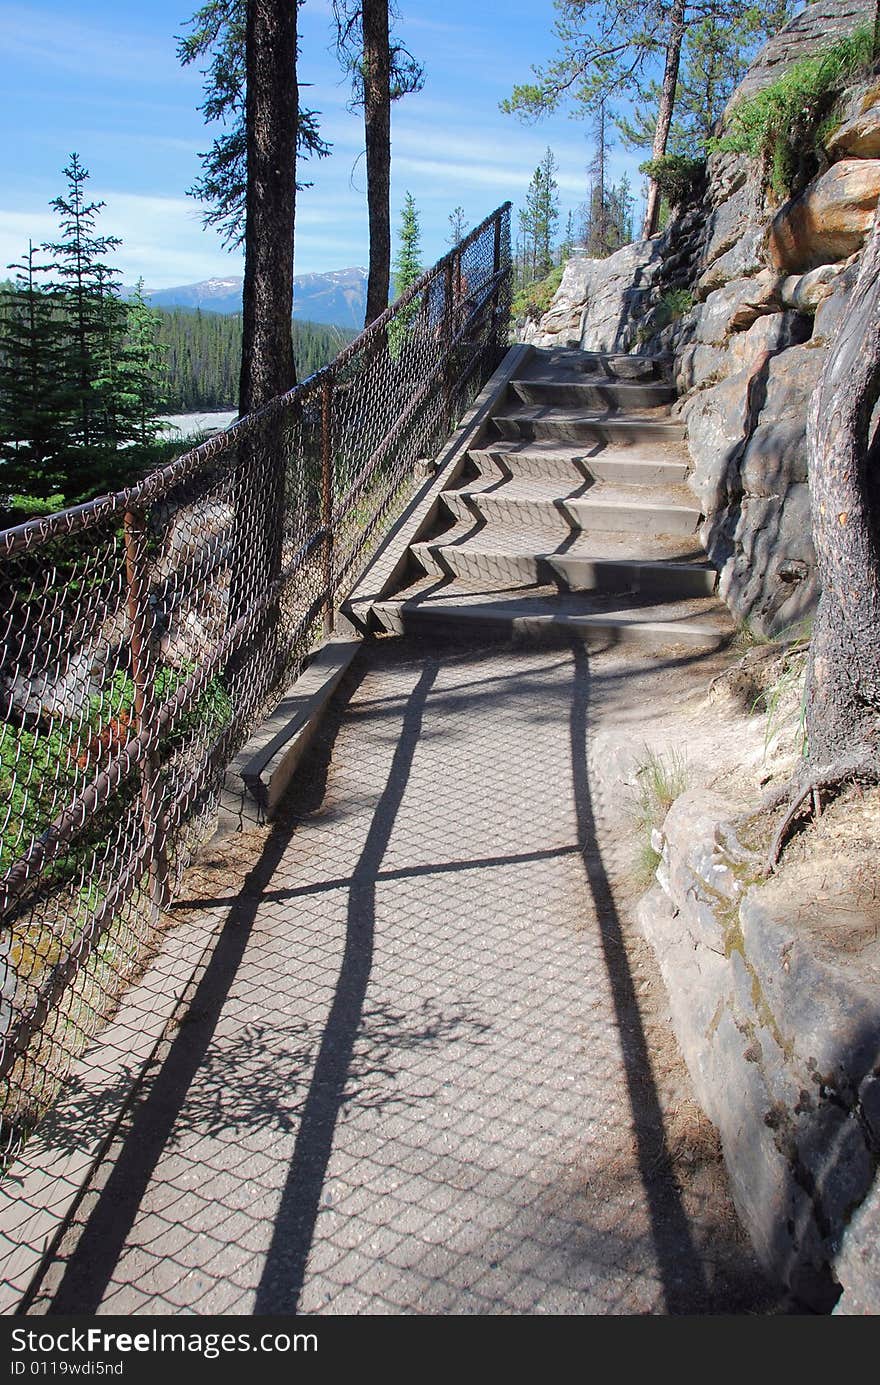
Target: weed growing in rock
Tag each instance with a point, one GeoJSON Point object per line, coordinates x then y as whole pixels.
{"type": "Point", "coordinates": [782, 124]}
{"type": "Point", "coordinates": [661, 779]}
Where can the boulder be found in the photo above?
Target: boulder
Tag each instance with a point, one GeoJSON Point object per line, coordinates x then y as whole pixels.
{"type": "Point", "coordinates": [804, 292]}
{"type": "Point", "coordinates": [858, 1264]}
{"type": "Point", "coordinates": [831, 311]}
{"type": "Point", "coordinates": [858, 137]}
{"type": "Point", "coordinates": [599, 302]}
{"type": "Point", "coordinates": [744, 258]}
{"type": "Point", "coordinates": [781, 1045]}
{"type": "Point", "coordinates": [770, 575]}
{"type": "Point", "coordinates": [715, 429]}
{"type": "Point", "coordinates": [735, 307]}
{"type": "Point", "coordinates": [829, 220]}
{"type": "Point", "coordinates": [726, 224]}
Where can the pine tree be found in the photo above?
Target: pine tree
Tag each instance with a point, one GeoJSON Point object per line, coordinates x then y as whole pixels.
{"type": "Point", "coordinates": [567, 245]}
{"type": "Point", "coordinates": [142, 373]}
{"type": "Point", "coordinates": [599, 240]}
{"type": "Point", "coordinates": [218, 34]}
{"type": "Point", "coordinates": [85, 292]}
{"type": "Point", "coordinates": [32, 422]}
{"type": "Point", "coordinates": [457, 226]}
{"type": "Point", "coordinates": [539, 217]}
{"type": "Point", "coordinates": [407, 269]}
{"type": "Point", "coordinates": [382, 71]}
{"type": "Point", "coordinates": [609, 51]}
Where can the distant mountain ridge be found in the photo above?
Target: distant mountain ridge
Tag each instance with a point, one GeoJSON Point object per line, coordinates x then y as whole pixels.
{"type": "Point", "coordinates": [337, 298]}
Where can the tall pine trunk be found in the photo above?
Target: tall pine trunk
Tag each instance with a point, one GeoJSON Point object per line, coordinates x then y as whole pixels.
{"type": "Point", "coordinates": [843, 679]}
{"type": "Point", "coordinates": [267, 366]}
{"type": "Point", "coordinates": [377, 130]}
{"type": "Point", "coordinates": [664, 111]}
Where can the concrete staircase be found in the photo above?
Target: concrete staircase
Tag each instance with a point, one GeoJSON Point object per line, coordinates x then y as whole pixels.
{"type": "Point", "coordinates": [571, 517]}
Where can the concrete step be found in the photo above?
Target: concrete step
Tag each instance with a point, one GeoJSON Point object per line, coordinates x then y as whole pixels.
{"type": "Point", "coordinates": [540, 613]}
{"type": "Point", "coordinates": [580, 426]}
{"type": "Point", "coordinates": [546, 506]}
{"type": "Point", "coordinates": [612, 365]}
{"type": "Point", "coordinates": [589, 393]}
{"type": "Point", "coordinates": [664, 464]}
{"type": "Point", "coordinates": [568, 571]}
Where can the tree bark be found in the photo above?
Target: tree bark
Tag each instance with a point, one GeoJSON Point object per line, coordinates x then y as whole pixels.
{"type": "Point", "coordinates": [377, 130]}
{"type": "Point", "coordinates": [843, 675]}
{"type": "Point", "coordinates": [267, 365]}
{"type": "Point", "coordinates": [664, 111]}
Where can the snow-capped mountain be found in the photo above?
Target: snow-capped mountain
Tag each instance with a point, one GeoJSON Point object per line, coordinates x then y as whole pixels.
{"type": "Point", "coordinates": [337, 297]}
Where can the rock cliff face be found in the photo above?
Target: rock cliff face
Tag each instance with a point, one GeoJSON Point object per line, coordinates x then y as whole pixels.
{"type": "Point", "coordinates": [747, 294]}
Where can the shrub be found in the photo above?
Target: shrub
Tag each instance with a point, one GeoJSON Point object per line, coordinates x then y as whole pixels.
{"type": "Point", "coordinates": [674, 303]}
{"type": "Point", "coordinates": [534, 299]}
{"type": "Point", "coordinates": [781, 124]}
{"type": "Point", "coordinates": [677, 176]}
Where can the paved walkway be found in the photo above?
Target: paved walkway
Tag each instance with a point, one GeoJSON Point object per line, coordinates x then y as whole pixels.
{"type": "Point", "coordinates": [414, 1077]}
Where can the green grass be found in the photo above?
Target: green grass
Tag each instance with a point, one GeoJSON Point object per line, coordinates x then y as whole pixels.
{"type": "Point", "coordinates": [661, 779]}
{"type": "Point", "coordinates": [783, 124]}
{"type": "Point", "coordinates": [784, 701]}
{"type": "Point", "coordinates": [533, 300]}
{"type": "Point", "coordinates": [673, 304]}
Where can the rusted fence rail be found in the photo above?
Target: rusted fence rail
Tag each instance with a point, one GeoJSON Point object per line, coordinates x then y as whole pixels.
{"type": "Point", "coordinates": [145, 634]}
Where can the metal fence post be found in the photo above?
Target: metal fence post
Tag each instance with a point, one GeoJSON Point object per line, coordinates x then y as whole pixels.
{"type": "Point", "coordinates": [155, 826]}
{"type": "Point", "coordinates": [327, 499]}
{"type": "Point", "coordinates": [453, 270]}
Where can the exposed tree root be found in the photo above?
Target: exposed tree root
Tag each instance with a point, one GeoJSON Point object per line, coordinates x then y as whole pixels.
{"type": "Point", "coordinates": [810, 783]}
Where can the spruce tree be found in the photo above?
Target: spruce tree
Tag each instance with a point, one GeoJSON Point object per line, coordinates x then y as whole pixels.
{"type": "Point", "coordinates": [218, 34]}
{"type": "Point", "coordinates": [32, 417]}
{"type": "Point", "coordinates": [142, 372]}
{"type": "Point", "coordinates": [85, 292]}
{"type": "Point", "coordinates": [457, 226]}
{"type": "Point", "coordinates": [539, 217]}
{"type": "Point", "coordinates": [407, 269]}
{"type": "Point", "coordinates": [408, 260]}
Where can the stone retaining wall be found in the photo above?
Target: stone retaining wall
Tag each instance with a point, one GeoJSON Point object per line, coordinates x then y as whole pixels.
{"type": "Point", "coordinates": [784, 1050]}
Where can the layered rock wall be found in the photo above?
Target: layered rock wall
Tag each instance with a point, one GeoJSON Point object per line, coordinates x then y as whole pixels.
{"type": "Point", "coordinates": [782, 1042]}
{"type": "Point", "coordinates": [747, 295]}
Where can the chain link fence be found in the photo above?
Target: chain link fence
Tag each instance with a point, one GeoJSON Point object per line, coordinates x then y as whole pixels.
{"type": "Point", "coordinates": [144, 635]}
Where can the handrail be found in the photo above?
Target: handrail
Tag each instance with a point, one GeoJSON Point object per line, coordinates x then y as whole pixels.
{"type": "Point", "coordinates": [144, 634]}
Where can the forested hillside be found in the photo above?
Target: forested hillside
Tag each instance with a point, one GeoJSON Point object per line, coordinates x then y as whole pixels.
{"type": "Point", "coordinates": [202, 352]}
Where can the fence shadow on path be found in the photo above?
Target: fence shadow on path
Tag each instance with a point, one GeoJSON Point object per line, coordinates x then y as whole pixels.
{"type": "Point", "coordinates": [678, 1262]}
{"type": "Point", "coordinates": [89, 1270]}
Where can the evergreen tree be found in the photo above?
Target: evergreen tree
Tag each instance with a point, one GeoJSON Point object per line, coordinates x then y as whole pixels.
{"type": "Point", "coordinates": [539, 217]}
{"type": "Point", "coordinates": [407, 269]}
{"type": "Point", "coordinates": [567, 245]}
{"type": "Point", "coordinates": [32, 428]}
{"type": "Point", "coordinates": [457, 226]}
{"type": "Point", "coordinates": [717, 51]}
{"type": "Point", "coordinates": [85, 291]}
{"type": "Point", "coordinates": [608, 51]}
{"type": "Point", "coordinates": [600, 235]}
{"type": "Point", "coordinates": [382, 71]}
{"type": "Point", "coordinates": [408, 260]}
{"type": "Point", "coordinates": [218, 34]}
{"type": "Point", "coordinates": [141, 380]}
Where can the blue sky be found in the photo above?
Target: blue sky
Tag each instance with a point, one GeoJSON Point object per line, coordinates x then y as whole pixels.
{"type": "Point", "coordinates": [104, 80]}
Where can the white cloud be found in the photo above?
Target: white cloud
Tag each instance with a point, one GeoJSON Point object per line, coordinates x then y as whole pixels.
{"type": "Point", "coordinates": [55, 41]}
